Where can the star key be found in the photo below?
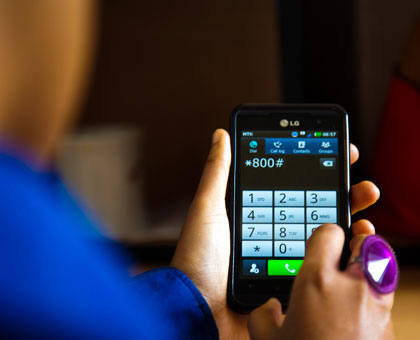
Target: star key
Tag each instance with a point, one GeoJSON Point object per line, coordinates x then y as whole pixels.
{"type": "Point", "coordinates": [257, 248]}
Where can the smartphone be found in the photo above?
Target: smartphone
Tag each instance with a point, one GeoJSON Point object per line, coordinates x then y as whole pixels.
{"type": "Point", "coordinates": [290, 175]}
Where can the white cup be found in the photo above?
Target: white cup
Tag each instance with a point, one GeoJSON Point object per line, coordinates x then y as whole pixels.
{"type": "Point", "coordinates": [103, 165]}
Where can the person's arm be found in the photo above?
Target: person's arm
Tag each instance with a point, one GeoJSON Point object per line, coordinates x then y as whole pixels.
{"type": "Point", "coordinates": [179, 304]}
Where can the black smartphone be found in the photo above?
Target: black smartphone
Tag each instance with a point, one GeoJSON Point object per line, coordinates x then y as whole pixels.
{"type": "Point", "coordinates": [290, 174]}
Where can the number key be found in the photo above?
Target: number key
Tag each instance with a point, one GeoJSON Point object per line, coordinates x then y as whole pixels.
{"type": "Point", "coordinates": [257, 248]}
{"type": "Point", "coordinates": [257, 231]}
{"type": "Point", "coordinates": [289, 248]}
{"type": "Point", "coordinates": [289, 198]}
{"type": "Point", "coordinates": [321, 198]}
{"type": "Point", "coordinates": [257, 215]}
{"type": "Point", "coordinates": [289, 231]}
{"type": "Point", "coordinates": [289, 215]}
{"type": "Point", "coordinates": [321, 215]}
{"type": "Point", "coordinates": [257, 198]}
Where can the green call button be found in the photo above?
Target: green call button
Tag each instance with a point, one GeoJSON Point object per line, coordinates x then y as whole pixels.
{"type": "Point", "coordinates": [284, 267]}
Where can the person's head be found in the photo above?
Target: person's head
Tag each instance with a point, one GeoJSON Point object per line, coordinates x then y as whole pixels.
{"type": "Point", "coordinates": [45, 52]}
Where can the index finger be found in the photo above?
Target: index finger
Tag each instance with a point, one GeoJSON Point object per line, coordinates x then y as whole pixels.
{"type": "Point", "coordinates": [324, 247]}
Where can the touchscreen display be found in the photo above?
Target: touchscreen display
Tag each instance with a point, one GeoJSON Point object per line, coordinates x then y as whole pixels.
{"type": "Point", "coordinates": [289, 182]}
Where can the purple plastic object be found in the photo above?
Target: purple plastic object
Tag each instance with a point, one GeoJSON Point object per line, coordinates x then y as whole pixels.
{"type": "Point", "coordinates": [379, 264]}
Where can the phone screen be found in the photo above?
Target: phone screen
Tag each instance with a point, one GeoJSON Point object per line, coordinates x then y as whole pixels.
{"type": "Point", "coordinates": [290, 176]}
{"type": "Point", "coordinates": [289, 185]}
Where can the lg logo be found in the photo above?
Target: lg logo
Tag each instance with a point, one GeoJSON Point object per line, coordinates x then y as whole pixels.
{"type": "Point", "coordinates": [285, 123]}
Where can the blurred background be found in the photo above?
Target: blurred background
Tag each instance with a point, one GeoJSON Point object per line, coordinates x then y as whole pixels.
{"type": "Point", "coordinates": [167, 74]}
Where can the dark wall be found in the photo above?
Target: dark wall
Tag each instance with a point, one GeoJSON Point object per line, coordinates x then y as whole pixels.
{"type": "Point", "coordinates": [176, 70]}
{"type": "Point", "coordinates": [319, 45]}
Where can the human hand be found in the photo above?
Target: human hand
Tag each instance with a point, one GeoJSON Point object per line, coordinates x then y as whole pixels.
{"type": "Point", "coordinates": [327, 303]}
{"type": "Point", "coordinates": [203, 248]}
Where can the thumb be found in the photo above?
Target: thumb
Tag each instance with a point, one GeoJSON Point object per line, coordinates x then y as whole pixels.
{"type": "Point", "coordinates": [208, 206]}
{"type": "Point", "coordinates": [265, 321]}
{"type": "Point", "coordinates": [212, 188]}
{"type": "Point", "coordinates": [204, 240]}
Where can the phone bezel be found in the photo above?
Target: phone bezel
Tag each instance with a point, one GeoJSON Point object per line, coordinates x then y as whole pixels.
{"type": "Point", "coordinates": [247, 294]}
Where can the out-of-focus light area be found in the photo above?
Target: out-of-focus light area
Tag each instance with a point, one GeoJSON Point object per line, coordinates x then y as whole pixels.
{"type": "Point", "coordinates": [164, 75]}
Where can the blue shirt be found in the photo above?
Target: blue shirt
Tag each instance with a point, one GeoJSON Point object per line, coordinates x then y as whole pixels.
{"type": "Point", "coordinates": [60, 279]}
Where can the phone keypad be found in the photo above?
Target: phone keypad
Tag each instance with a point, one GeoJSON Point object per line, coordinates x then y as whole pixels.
{"type": "Point", "coordinates": [277, 223]}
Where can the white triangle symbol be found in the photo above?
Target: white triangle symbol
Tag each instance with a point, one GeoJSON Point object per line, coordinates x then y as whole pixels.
{"type": "Point", "coordinates": [377, 268]}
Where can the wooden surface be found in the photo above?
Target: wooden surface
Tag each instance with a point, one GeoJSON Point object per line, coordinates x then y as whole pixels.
{"type": "Point", "coordinates": [406, 311]}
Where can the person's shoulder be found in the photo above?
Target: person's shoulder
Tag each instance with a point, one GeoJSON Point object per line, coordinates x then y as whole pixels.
{"type": "Point", "coordinates": [18, 179]}
{"type": "Point", "coordinates": [24, 196]}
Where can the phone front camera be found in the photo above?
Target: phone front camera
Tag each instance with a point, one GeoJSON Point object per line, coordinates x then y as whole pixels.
{"type": "Point", "coordinates": [319, 121]}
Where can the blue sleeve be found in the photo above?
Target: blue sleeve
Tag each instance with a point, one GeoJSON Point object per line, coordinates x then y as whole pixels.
{"type": "Point", "coordinates": [56, 284]}
{"type": "Point", "coordinates": [179, 303]}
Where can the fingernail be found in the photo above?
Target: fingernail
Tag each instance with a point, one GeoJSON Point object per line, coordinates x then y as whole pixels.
{"type": "Point", "coordinates": [216, 137]}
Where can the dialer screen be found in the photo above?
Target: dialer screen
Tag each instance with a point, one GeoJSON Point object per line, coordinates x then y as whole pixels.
{"type": "Point", "coordinates": [289, 182]}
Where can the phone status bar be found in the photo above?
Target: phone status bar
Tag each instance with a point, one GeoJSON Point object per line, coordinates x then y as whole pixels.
{"type": "Point", "coordinates": [290, 133]}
